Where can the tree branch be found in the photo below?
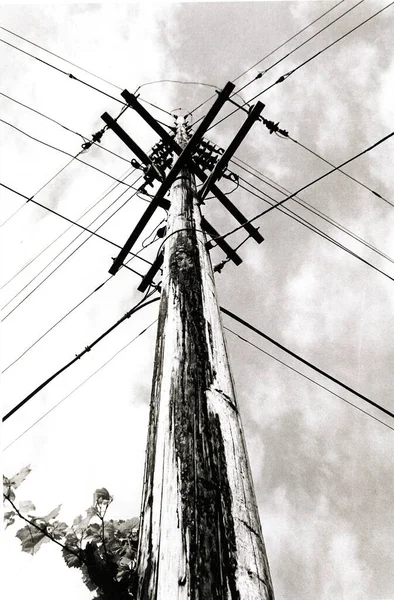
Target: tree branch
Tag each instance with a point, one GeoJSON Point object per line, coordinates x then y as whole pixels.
{"type": "Point", "coordinates": [48, 535]}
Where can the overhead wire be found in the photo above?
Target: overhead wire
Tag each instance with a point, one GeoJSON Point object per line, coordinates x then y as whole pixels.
{"type": "Point", "coordinates": [301, 65]}
{"type": "Point", "coordinates": [69, 256]}
{"type": "Point", "coordinates": [54, 212]}
{"type": "Point", "coordinates": [81, 384]}
{"type": "Point", "coordinates": [60, 57]}
{"type": "Point", "coordinates": [275, 50]}
{"type": "Point", "coordinates": [374, 192]}
{"type": "Point", "coordinates": [304, 187]}
{"type": "Point", "coordinates": [70, 75]}
{"type": "Point", "coordinates": [306, 205]}
{"type": "Point", "coordinates": [309, 378]}
{"type": "Point", "coordinates": [302, 44]}
{"type": "Point", "coordinates": [141, 304]}
{"type": "Point", "coordinates": [67, 314]}
{"type": "Point", "coordinates": [111, 188]}
{"type": "Point", "coordinates": [66, 153]}
{"type": "Point", "coordinates": [96, 289]}
{"type": "Point", "coordinates": [305, 362]}
{"type": "Point", "coordinates": [319, 232]}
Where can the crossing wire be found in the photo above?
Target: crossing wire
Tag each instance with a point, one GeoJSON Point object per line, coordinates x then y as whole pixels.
{"type": "Point", "coordinates": [141, 304]}
{"type": "Point", "coordinates": [304, 187]}
{"type": "Point", "coordinates": [70, 75]}
{"type": "Point", "coordinates": [91, 207]}
{"type": "Point", "coordinates": [67, 314]}
{"type": "Point", "coordinates": [308, 378]}
{"type": "Point", "coordinates": [69, 256]}
{"type": "Point", "coordinates": [340, 170]}
{"type": "Point", "coordinates": [60, 57]}
{"type": "Point", "coordinates": [304, 204]}
{"type": "Point", "coordinates": [305, 362]}
{"type": "Point", "coordinates": [66, 153]}
{"type": "Point", "coordinates": [81, 384]}
{"type": "Point", "coordinates": [319, 232]}
{"type": "Point", "coordinates": [259, 75]}
{"type": "Point", "coordinates": [275, 50]}
{"type": "Point", "coordinates": [305, 62]}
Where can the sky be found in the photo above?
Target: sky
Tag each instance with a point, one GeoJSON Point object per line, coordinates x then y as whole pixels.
{"type": "Point", "coordinates": [322, 469]}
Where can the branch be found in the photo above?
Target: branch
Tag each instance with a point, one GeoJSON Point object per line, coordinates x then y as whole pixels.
{"type": "Point", "coordinates": [48, 535]}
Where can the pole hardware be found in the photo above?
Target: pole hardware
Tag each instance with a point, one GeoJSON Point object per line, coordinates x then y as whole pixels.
{"type": "Point", "coordinates": [221, 165]}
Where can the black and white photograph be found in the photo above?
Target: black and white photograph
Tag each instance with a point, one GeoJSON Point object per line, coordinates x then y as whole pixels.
{"type": "Point", "coordinates": [197, 308]}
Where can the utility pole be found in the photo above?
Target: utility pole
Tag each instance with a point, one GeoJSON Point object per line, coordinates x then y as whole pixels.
{"type": "Point", "coordinates": [200, 533]}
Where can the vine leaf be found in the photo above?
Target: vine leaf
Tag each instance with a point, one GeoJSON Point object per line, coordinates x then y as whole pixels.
{"type": "Point", "coordinates": [70, 559]}
{"type": "Point", "coordinates": [52, 515]}
{"type": "Point", "coordinates": [26, 506]}
{"type": "Point", "coordinates": [17, 479]}
{"type": "Point", "coordinates": [9, 518]}
{"type": "Point", "coordinates": [31, 539]}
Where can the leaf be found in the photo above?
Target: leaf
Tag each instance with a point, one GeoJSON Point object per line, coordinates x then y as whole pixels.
{"type": "Point", "coordinates": [70, 559]}
{"type": "Point", "coordinates": [101, 495]}
{"type": "Point", "coordinates": [80, 523]}
{"type": "Point", "coordinates": [9, 518]}
{"type": "Point", "coordinates": [8, 492]}
{"type": "Point", "coordinates": [59, 530]}
{"type": "Point", "coordinates": [26, 506]}
{"type": "Point", "coordinates": [31, 539]}
{"type": "Point", "coordinates": [52, 515]}
{"type": "Point", "coordinates": [17, 479]}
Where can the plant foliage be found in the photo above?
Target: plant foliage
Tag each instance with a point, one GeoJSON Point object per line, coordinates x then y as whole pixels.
{"type": "Point", "coordinates": [103, 550]}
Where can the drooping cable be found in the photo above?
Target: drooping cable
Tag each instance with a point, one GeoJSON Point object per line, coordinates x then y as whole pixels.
{"type": "Point", "coordinates": [304, 204]}
{"type": "Point", "coordinates": [305, 362]}
{"type": "Point", "coordinates": [81, 384]}
{"type": "Point", "coordinates": [385, 138]}
{"type": "Point", "coordinates": [308, 378]}
{"type": "Point", "coordinates": [141, 304]}
{"type": "Point", "coordinates": [323, 234]}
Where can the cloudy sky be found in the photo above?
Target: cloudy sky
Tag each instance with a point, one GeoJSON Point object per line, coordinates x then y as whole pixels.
{"type": "Point", "coordinates": [322, 469]}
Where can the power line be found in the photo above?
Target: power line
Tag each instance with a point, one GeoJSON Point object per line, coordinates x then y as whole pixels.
{"type": "Point", "coordinates": [60, 57]}
{"type": "Point", "coordinates": [301, 45]}
{"type": "Point", "coordinates": [309, 184]}
{"type": "Point", "coordinates": [305, 362]}
{"type": "Point", "coordinates": [66, 218]}
{"type": "Point", "coordinates": [84, 138]}
{"type": "Point", "coordinates": [69, 312]}
{"type": "Point", "coordinates": [66, 153]}
{"type": "Point", "coordinates": [307, 206]}
{"type": "Point", "coordinates": [319, 232]}
{"type": "Point", "coordinates": [144, 302]}
{"type": "Point", "coordinates": [96, 203]}
{"type": "Point", "coordinates": [69, 256]}
{"type": "Point", "coordinates": [308, 378]}
{"type": "Point", "coordinates": [340, 170]}
{"type": "Point", "coordinates": [275, 50]}
{"type": "Point", "coordinates": [305, 62]}
{"type": "Point", "coordinates": [70, 75]}
{"type": "Point", "coordinates": [81, 384]}
{"type": "Point", "coordinates": [42, 187]}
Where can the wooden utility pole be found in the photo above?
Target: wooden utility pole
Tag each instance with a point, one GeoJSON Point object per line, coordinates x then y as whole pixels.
{"type": "Point", "coordinates": [200, 534]}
